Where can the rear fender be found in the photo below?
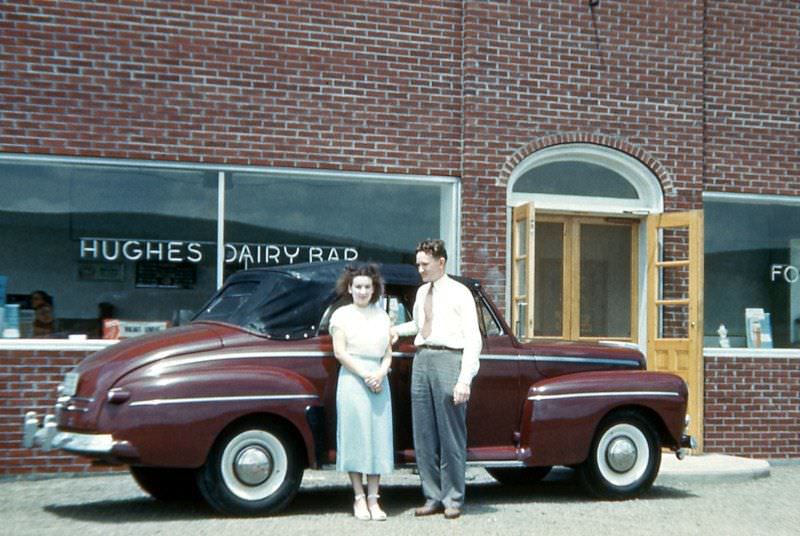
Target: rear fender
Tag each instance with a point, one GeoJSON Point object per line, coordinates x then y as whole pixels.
{"type": "Point", "coordinates": [561, 415]}
{"type": "Point", "coordinates": [173, 419]}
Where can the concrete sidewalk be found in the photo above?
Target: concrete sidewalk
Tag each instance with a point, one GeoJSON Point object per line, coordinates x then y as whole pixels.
{"type": "Point", "coordinates": [710, 468]}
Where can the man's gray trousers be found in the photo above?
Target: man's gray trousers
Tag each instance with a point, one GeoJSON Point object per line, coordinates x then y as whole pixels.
{"type": "Point", "coordinates": [440, 427]}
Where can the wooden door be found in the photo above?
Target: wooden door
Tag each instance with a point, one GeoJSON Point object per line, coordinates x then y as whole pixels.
{"type": "Point", "coordinates": [522, 271]}
{"type": "Point", "coordinates": [675, 304]}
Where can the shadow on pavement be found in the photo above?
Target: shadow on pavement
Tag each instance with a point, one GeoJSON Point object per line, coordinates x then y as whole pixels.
{"type": "Point", "coordinates": [482, 498]}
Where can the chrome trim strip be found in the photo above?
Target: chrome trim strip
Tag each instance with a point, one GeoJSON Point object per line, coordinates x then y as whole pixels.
{"type": "Point", "coordinates": [499, 463]}
{"type": "Point", "coordinates": [603, 394]}
{"type": "Point", "coordinates": [204, 399]}
{"type": "Point", "coordinates": [561, 359]}
{"type": "Point", "coordinates": [235, 355]}
{"type": "Point", "coordinates": [474, 463]}
{"type": "Point", "coordinates": [177, 362]}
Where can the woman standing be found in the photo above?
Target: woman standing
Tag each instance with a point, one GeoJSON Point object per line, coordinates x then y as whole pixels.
{"type": "Point", "coordinates": [364, 443]}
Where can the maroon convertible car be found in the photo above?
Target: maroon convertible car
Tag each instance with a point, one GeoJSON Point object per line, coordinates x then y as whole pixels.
{"type": "Point", "coordinates": [239, 402]}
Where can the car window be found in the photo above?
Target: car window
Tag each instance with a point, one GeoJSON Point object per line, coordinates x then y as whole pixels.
{"type": "Point", "coordinates": [489, 324]}
{"type": "Point", "coordinates": [228, 302]}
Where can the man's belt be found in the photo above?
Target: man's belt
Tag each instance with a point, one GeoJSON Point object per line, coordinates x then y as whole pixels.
{"type": "Point", "coordinates": [439, 348]}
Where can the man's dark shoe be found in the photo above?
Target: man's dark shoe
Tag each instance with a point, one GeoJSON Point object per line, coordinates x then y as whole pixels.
{"type": "Point", "coordinates": [428, 509]}
{"type": "Point", "coordinates": [452, 513]}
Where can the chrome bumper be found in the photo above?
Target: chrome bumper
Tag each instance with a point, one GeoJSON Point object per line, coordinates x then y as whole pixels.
{"type": "Point", "coordinates": [47, 437]}
{"type": "Point", "coordinates": [687, 444]}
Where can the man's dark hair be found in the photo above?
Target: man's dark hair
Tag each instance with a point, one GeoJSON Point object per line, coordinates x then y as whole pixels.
{"type": "Point", "coordinates": [354, 270]}
{"type": "Point", "coordinates": [434, 248]}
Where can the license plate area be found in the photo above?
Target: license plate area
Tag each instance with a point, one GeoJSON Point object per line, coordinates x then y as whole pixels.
{"type": "Point", "coordinates": [70, 385]}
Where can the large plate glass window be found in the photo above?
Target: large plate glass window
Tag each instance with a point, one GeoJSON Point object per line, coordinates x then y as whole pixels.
{"type": "Point", "coordinates": [136, 242]}
{"type": "Point", "coordinates": [752, 270]}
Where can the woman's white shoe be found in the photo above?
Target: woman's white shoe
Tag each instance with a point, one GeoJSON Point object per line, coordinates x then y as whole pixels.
{"type": "Point", "coordinates": [360, 510]}
{"type": "Point", "coordinates": [375, 510]}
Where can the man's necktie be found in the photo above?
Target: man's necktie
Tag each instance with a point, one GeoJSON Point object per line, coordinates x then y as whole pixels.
{"type": "Point", "coordinates": [427, 325]}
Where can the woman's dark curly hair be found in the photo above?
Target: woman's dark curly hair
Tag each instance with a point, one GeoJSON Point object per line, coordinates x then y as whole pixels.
{"type": "Point", "coordinates": [354, 270]}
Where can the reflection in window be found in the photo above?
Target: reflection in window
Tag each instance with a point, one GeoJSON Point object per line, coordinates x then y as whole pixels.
{"type": "Point", "coordinates": [382, 220]}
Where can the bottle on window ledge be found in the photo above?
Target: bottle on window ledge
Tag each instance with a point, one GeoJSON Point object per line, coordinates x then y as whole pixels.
{"type": "Point", "coordinates": [724, 342]}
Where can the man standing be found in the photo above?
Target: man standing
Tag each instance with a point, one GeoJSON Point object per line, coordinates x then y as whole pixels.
{"type": "Point", "coordinates": [448, 342]}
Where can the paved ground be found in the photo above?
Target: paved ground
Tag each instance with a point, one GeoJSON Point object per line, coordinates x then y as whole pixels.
{"type": "Point", "coordinates": [111, 505]}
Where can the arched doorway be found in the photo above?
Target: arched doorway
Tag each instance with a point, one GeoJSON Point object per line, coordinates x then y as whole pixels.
{"type": "Point", "coordinates": [578, 243]}
{"type": "Point", "coordinates": [593, 257]}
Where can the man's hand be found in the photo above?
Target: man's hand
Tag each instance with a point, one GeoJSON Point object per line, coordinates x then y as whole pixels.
{"type": "Point", "coordinates": [461, 393]}
{"type": "Point", "coordinates": [393, 336]}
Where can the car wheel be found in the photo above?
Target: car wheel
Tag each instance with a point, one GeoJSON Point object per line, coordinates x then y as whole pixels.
{"type": "Point", "coordinates": [166, 484]}
{"type": "Point", "coordinates": [251, 470]}
{"type": "Point", "coordinates": [624, 458]}
{"type": "Point", "coordinates": [518, 476]}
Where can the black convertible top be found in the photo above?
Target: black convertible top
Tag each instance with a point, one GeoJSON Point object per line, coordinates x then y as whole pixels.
{"type": "Point", "coordinates": [288, 301]}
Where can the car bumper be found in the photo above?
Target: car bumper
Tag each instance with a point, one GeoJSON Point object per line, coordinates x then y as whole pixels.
{"type": "Point", "coordinates": [687, 444]}
{"type": "Point", "coordinates": [98, 446]}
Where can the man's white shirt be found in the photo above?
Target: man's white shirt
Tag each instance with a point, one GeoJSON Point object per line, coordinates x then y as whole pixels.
{"type": "Point", "coordinates": [455, 323]}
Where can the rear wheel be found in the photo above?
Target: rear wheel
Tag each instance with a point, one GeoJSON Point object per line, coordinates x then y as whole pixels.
{"type": "Point", "coordinates": [624, 459]}
{"type": "Point", "coordinates": [166, 484]}
{"type": "Point", "coordinates": [251, 470]}
{"type": "Point", "coordinates": [519, 476]}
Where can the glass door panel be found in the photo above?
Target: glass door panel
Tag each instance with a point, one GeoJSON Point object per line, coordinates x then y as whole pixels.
{"type": "Point", "coordinates": [605, 280]}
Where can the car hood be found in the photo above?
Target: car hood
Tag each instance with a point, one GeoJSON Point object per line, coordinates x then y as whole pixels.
{"type": "Point", "coordinates": [101, 370]}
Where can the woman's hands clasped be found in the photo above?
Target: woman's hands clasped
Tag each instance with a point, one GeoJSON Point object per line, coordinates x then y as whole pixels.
{"type": "Point", "coordinates": [374, 381]}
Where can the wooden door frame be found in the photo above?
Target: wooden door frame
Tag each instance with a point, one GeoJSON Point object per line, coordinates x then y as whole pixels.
{"type": "Point", "coordinates": [570, 329]}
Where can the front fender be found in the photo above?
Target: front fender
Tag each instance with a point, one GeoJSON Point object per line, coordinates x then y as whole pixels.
{"type": "Point", "coordinates": [172, 419]}
{"type": "Point", "coordinates": [561, 415]}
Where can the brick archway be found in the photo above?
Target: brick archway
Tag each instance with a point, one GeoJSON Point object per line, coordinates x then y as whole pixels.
{"type": "Point", "coordinates": [662, 173]}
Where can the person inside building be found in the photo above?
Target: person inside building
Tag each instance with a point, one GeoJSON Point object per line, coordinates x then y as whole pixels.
{"type": "Point", "coordinates": [364, 442]}
{"type": "Point", "coordinates": [43, 320]}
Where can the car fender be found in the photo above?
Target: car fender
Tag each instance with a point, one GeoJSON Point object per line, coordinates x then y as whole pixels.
{"type": "Point", "coordinates": [561, 415]}
{"type": "Point", "coordinates": [172, 418]}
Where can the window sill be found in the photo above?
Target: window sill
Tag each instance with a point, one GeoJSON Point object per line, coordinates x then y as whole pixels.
{"type": "Point", "coordinates": [768, 353]}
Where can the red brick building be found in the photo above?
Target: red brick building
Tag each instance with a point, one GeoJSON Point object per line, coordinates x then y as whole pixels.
{"type": "Point", "coordinates": [135, 134]}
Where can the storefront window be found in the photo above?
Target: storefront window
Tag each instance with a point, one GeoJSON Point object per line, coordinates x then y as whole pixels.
{"type": "Point", "coordinates": [137, 242]}
{"type": "Point", "coordinates": [752, 271]}
{"type": "Point", "coordinates": [102, 241]}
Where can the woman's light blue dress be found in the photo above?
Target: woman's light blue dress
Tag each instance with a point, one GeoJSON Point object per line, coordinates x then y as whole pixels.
{"type": "Point", "coordinates": [364, 442]}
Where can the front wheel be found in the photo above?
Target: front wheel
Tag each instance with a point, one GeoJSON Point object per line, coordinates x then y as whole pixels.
{"type": "Point", "coordinates": [624, 458]}
{"type": "Point", "coordinates": [251, 470]}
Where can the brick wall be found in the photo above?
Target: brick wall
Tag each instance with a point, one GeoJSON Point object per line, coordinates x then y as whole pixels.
{"type": "Point", "coordinates": [753, 102]}
{"type": "Point", "coordinates": [752, 406]}
{"type": "Point", "coordinates": [28, 381]}
{"type": "Point", "coordinates": [357, 85]}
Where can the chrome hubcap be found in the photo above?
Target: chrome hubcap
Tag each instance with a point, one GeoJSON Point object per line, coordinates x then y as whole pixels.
{"type": "Point", "coordinates": [253, 465]}
{"type": "Point", "coordinates": [621, 454]}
